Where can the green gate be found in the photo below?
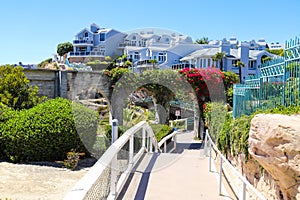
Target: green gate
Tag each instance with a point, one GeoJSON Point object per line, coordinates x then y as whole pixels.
{"type": "Point", "coordinates": [276, 84]}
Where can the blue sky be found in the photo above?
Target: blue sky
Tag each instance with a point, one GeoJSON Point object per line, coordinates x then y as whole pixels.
{"type": "Point", "coordinates": [31, 29]}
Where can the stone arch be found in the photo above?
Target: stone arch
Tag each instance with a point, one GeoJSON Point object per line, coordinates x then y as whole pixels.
{"type": "Point", "coordinates": [131, 82]}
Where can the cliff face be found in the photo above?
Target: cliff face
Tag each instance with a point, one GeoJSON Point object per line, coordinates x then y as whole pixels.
{"type": "Point", "coordinates": [274, 142]}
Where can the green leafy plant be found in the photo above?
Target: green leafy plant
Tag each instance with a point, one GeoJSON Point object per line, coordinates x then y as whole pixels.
{"type": "Point", "coordinates": [72, 159]}
{"type": "Point", "coordinates": [161, 130]}
{"type": "Point", "coordinates": [15, 91]}
{"type": "Point", "coordinates": [47, 131]}
{"type": "Point", "coordinates": [233, 138]}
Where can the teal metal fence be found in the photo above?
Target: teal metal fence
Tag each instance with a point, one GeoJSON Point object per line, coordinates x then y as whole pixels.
{"type": "Point", "coordinates": [278, 83]}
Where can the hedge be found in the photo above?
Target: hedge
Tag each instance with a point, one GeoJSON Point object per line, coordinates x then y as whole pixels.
{"type": "Point", "coordinates": [47, 131]}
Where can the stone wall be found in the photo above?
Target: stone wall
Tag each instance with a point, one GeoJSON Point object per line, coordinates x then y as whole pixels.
{"type": "Point", "coordinates": [68, 84]}
{"type": "Point", "coordinates": [46, 80]}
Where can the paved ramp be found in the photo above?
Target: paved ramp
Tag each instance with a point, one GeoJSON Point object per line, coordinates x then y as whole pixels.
{"type": "Point", "coordinates": [180, 175]}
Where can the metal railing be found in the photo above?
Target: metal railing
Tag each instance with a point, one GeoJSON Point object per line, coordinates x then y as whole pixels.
{"type": "Point", "coordinates": [106, 178]}
{"type": "Point", "coordinates": [182, 66]}
{"type": "Point", "coordinates": [163, 142]}
{"type": "Point", "coordinates": [177, 123]}
{"type": "Point", "coordinates": [92, 53]}
{"type": "Point", "coordinates": [83, 42]}
{"type": "Point", "coordinates": [277, 84]}
{"type": "Point", "coordinates": [209, 145]}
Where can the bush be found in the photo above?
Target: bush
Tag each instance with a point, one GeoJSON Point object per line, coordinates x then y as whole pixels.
{"type": "Point", "coordinates": [161, 130]}
{"type": "Point", "coordinates": [15, 91]}
{"type": "Point", "coordinates": [233, 139]}
{"type": "Point", "coordinates": [47, 131]}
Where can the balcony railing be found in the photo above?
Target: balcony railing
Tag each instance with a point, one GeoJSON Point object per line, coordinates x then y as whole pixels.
{"type": "Point", "coordinates": [182, 66]}
{"type": "Point", "coordinates": [82, 54]}
{"type": "Point", "coordinates": [83, 42]}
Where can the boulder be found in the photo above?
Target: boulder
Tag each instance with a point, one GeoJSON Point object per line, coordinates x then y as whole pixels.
{"type": "Point", "coordinates": [274, 141]}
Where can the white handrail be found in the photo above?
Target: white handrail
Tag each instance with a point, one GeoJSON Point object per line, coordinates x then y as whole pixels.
{"type": "Point", "coordinates": [241, 177]}
{"type": "Point", "coordinates": [107, 160]}
{"type": "Point", "coordinates": [164, 141]}
{"type": "Point", "coordinates": [179, 120]}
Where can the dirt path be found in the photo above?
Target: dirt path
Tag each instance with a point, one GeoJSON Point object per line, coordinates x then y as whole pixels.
{"type": "Point", "coordinates": [32, 182]}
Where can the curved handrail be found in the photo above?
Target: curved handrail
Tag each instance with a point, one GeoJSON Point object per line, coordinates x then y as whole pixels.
{"type": "Point", "coordinates": [241, 177]}
{"type": "Point", "coordinates": [165, 139]}
{"type": "Point", "coordinates": [108, 164]}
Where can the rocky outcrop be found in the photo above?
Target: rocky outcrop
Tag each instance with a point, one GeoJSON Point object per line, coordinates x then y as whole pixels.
{"type": "Point", "coordinates": [274, 142]}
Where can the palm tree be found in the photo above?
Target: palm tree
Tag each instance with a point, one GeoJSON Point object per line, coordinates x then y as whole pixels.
{"type": "Point", "coordinates": [203, 40]}
{"type": "Point", "coordinates": [219, 57]}
{"type": "Point", "coordinates": [153, 61]}
{"type": "Point", "coordinates": [240, 64]}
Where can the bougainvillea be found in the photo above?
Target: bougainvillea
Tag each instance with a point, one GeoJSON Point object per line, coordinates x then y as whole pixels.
{"type": "Point", "coordinates": [207, 83]}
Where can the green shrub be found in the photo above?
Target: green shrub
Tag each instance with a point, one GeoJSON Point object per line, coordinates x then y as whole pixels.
{"type": "Point", "coordinates": [233, 139]}
{"type": "Point", "coordinates": [161, 130]}
{"type": "Point", "coordinates": [72, 159]}
{"type": "Point", "coordinates": [15, 90]}
{"type": "Point", "coordinates": [121, 131]}
{"type": "Point", "coordinates": [48, 131]}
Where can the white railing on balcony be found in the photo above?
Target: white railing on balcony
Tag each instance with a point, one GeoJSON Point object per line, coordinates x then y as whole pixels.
{"type": "Point", "coordinates": [209, 146]}
{"type": "Point", "coordinates": [107, 177]}
{"type": "Point", "coordinates": [182, 66]}
{"type": "Point", "coordinates": [83, 42]}
{"type": "Point", "coordinates": [83, 54]}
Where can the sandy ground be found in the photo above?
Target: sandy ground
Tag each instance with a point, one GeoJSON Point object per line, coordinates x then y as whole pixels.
{"type": "Point", "coordinates": [24, 182]}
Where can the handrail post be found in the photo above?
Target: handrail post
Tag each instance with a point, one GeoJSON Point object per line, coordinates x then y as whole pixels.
{"type": "Point", "coordinates": [175, 142]}
{"type": "Point", "coordinates": [186, 124]}
{"type": "Point", "coordinates": [131, 149]}
{"type": "Point", "coordinates": [151, 144]}
{"type": "Point", "coordinates": [143, 138]}
{"type": "Point", "coordinates": [210, 156]}
{"type": "Point", "coordinates": [244, 191]}
{"type": "Point", "coordinates": [113, 178]}
{"type": "Point", "coordinates": [205, 144]}
{"type": "Point", "coordinates": [220, 176]}
{"type": "Point", "coordinates": [165, 147]}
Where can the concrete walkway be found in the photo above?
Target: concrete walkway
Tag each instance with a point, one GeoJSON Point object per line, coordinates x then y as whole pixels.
{"type": "Point", "coordinates": [180, 175]}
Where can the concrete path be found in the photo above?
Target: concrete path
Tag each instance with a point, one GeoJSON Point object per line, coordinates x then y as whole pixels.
{"type": "Point", "coordinates": [180, 175]}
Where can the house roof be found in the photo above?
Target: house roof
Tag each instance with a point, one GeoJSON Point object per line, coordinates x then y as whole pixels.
{"type": "Point", "coordinates": [234, 53]}
{"type": "Point", "coordinates": [207, 52]}
{"type": "Point", "coordinates": [84, 30]}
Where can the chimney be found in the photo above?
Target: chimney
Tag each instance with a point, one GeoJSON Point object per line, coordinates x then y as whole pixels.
{"type": "Point", "coordinates": [225, 46]}
{"type": "Point", "coordinates": [243, 52]}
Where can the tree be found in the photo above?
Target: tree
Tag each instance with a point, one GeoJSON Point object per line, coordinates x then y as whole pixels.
{"type": "Point", "coordinates": [64, 48]}
{"type": "Point", "coordinates": [154, 62]}
{"type": "Point", "coordinates": [240, 64]}
{"type": "Point", "coordinates": [219, 58]}
{"type": "Point", "coordinates": [279, 52]}
{"type": "Point", "coordinates": [266, 59]}
{"type": "Point", "coordinates": [15, 91]}
{"type": "Point", "coordinates": [203, 40]}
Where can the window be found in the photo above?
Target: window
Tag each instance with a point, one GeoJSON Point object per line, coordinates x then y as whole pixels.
{"type": "Point", "coordinates": [102, 51]}
{"type": "Point", "coordinates": [86, 34]}
{"type": "Point", "coordinates": [161, 57]}
{"type": "Point", "coordinates": [102, 37]}
{"type": "Point", "coordinates": [82, 49]}
{"type": "Point", "coordinates": [134, 37]}
{"type": "Point", "coordinates": [209, 62]}
{"type": "Point", "coordinates": [136, 55]}
{"type": "Point", "coordinates": [133, 43]}
{"type": "Point", "coordinates": [252, 64]}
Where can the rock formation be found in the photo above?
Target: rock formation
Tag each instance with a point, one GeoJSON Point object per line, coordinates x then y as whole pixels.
{"type": "Point", "coordinates": [274, 141]}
